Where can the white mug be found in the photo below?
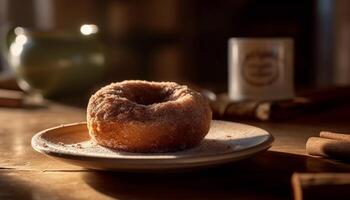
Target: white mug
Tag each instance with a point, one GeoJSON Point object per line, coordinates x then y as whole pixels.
{"type": "Point", "coordinates": [260, 69]}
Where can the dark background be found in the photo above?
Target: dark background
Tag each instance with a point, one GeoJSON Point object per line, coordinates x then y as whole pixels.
{"type": "Point", "coordinates": [186, 41]}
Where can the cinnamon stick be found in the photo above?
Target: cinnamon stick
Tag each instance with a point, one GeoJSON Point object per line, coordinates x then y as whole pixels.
{"type": "Point", "coordinates": [335, 136]}
{"type": "Point", "coordinates": [321, 186]}
{"type": "Point", "coordinates": [328, 148]}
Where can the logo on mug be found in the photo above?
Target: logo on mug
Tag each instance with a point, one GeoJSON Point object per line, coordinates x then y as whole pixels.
{"type": "Point", "coordinates": [261, 67]}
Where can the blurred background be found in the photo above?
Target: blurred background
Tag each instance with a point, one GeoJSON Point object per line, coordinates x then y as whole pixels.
{"type": "Point", "coordinates": [186, 40]}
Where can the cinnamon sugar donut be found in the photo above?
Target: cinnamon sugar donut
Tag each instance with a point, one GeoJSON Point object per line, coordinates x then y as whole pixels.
{"type": "Point", "coordinates": [141, 116]}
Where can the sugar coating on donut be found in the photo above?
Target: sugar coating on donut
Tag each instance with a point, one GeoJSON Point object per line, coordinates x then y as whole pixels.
{"type": "Point", "coordinates": [146, 116]}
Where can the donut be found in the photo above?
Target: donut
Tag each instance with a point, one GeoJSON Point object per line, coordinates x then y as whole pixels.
{"type": "Point", "coordinates": [142, 116]}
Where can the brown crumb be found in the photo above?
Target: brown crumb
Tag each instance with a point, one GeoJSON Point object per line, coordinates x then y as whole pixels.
{"type": "Point", "coordinates": [61, 143]}
{"type": "Point", "coordinates": [45, 145]}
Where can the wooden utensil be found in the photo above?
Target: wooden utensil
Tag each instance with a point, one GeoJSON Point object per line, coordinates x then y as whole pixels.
{"type": "Point", "coordinates": [321, 186]}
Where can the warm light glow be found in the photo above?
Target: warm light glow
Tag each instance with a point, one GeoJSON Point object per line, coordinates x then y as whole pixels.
{"type": "Point", "coordinates": [88, 29]}
{"type": "Point", "coordinates": [15, 50]}
{"type": "Point", "coordinates": [21, 39]}
{"type": "Point", "coordinates": [16, 47]}
{"type": "Point", "coordinates": [19, 31]}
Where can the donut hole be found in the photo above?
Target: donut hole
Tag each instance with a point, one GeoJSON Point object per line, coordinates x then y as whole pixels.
{"type": "Point", "coordinates": [148, 95]}
{"type": "Point", "coordinates": [149, 99]}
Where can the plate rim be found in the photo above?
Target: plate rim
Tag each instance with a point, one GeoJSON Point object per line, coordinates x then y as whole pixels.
{"type": "Point", "coordinates": [235, 155]}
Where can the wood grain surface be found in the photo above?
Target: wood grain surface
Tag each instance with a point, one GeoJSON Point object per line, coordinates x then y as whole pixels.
{"type": "Point", "coordinates": [26, 174]}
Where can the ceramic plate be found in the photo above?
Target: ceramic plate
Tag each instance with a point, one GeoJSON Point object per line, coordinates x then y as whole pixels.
{"type": "Point", "coordinates": [225, 142]}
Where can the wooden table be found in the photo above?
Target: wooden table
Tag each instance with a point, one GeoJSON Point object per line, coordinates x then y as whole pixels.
{"type": "Point", "coordinates": [25, 174]}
